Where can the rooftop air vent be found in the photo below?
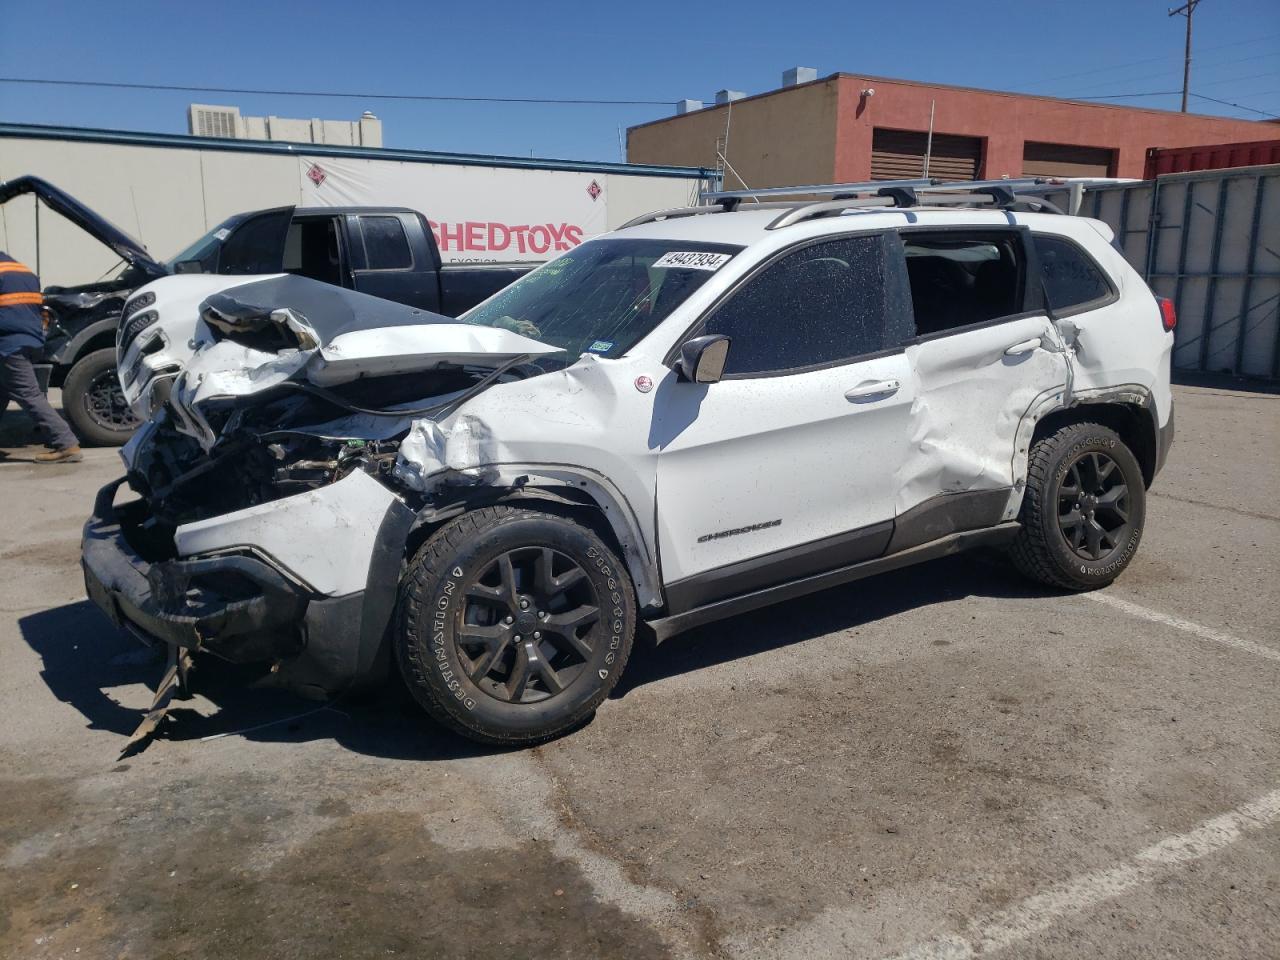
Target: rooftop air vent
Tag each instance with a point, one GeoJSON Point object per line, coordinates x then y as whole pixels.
{"type": "Point", "coordinates": [798, 75]}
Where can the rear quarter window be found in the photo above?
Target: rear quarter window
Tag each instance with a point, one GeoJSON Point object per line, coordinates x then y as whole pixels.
{"type": "Point", "coordinates": [385, 245]}
{"type": "Point", "coordinates": [1072, 280]}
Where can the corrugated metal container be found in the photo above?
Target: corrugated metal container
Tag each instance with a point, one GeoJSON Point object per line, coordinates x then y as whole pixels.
{"type": "Point", "coordinates": [1204, 239]}
{"type": "Point", "coordinates": [1219, 156]}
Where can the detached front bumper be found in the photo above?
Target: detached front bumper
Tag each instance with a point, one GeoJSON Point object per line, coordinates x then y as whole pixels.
{"type": "Point", "coordinates": [236, 606]}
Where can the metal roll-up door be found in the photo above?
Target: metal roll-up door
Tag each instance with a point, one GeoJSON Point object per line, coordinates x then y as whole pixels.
{"type": "Point", "coordinates": [899, 155]}
{"type": "Point", "coordinates": [1065, 160]}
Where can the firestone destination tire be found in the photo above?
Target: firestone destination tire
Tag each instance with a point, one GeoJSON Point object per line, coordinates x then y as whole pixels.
{"type": "Point", "coordinates": [513, 625]}
{"type": "Point", "coordinates": [1083, 511]}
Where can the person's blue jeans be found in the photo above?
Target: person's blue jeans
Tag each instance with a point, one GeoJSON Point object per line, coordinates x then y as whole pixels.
{"type": "Point", "coordinates": [18, 383]}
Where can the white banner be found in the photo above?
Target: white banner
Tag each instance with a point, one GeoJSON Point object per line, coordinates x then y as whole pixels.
{"type": "Point", "coordinates": [478, 214]}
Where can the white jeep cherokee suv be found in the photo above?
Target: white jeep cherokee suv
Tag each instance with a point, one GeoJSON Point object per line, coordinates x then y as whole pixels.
{"type": "Point", "coordinates": [690, 417]}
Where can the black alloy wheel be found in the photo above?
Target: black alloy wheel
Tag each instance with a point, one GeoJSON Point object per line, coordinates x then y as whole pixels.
{"type": "Point", "coordinates": [523, 636]}
{"type": "Point", "coordinates": [514, 623]}
{"type": "Point", "coordinates": [94, 403]}
{"type": "Point", "coordinates": [1093, 506]}
{"type": "Point", "coordinates": [104, 402]}
{"type": "Point", "coordinates": [1083, 508]}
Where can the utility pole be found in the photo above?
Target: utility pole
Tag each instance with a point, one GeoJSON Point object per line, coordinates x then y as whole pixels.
{"type": "Point", "coordinates": [1186, 10]}
{"type": "Point", "coordinates": [928, 144]}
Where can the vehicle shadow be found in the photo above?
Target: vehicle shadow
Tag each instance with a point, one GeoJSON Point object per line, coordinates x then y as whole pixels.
{"type": "Point", "coordinates": [980, 573]}
{"type": "Point", "coordinates": [84, 658]}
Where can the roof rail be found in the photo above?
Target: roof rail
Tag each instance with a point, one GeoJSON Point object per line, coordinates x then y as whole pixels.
{"type": "Point", "coordinates": [1001, 191]}
{"type": "Point", "coordinates": [834, 190]}
{"type": "Point", "coordinates": [672, 214]}
{"type": "Point", "coordinates": [825, 208]}
{"type": "Point", "coordinates": [676, 212]}
{"type": "Point", "coordinates": [869, 186]}
{"type": "Point", "coordinates": [1002, 194]}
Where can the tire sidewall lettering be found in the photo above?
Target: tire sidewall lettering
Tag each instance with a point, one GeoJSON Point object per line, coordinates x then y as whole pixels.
{"type": "Point", "coordinates": [1083, 570]}
{"type": "Point", "coordinates": [441, 615]}
{"type": "Point", "coordinates": [447, 607]}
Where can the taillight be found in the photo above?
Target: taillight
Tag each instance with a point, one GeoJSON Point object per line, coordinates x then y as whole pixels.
{"type": "Point", "coordinates": [1168, 316]}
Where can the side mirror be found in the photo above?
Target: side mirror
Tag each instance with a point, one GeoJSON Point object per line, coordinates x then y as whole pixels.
{"type": "Point", "coordinates": [188, 266]}
{"type": "Point", "coordinates": [702, 359]}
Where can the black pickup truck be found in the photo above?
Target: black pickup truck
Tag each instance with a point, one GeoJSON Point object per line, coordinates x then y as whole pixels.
{"type": "Point", "coordinates": [388, 252]}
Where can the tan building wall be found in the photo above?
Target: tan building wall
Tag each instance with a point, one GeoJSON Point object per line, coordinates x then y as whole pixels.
{"type": "Point", "coordinates": [779, 139]}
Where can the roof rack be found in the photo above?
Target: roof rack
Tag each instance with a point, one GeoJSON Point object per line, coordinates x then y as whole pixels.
{"type": "Point", "coordinates": [731, 198]}
{"type": "Point", "coordinates": [883, 187]}
{"type": "Point", "coordinates": [1000, 194]}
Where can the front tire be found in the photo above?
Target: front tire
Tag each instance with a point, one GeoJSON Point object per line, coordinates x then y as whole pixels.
{"type": "Point", "coordinates": [1083, 510]}
{"type": "Point", "coordinates": [94, 402]}
{"type": "Point", "coordinates": [513, 625]}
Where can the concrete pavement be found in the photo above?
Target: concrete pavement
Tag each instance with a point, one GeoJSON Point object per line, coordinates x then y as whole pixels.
{"type": "Point", "coordinates": [939, 762]}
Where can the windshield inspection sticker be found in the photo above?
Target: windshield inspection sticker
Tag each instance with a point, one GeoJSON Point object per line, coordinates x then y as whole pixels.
{"type": "Point", "coordinates": [601, 346]}
{"type": "Point", "coordinates": [692, 260]}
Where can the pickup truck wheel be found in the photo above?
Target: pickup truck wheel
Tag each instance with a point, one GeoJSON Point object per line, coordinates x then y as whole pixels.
{"type": "Point", "coordinates": [514, 625]}
{"type": "Point", "coordinates": [94, 402]}
{"type": "Point", "coordinates": [1083, 510]}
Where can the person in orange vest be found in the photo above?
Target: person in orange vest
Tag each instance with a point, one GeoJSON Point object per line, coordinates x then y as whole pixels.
{"type": "Point", "coordinates": [21, 337]}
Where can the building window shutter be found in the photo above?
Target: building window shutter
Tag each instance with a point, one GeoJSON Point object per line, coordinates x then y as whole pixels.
{"type": "Point", "coordinates": [899, 155]}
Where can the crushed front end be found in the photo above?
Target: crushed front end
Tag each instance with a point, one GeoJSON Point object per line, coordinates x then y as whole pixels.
{"type": "Point", "coordinates": [304, 583]}
{"type": "Point", "coordinates": [267, 523]}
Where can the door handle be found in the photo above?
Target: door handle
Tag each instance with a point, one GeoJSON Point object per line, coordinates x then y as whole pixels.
{"type": "Point", "coordinates": [872, 390]}
{"type": "Point", "coordinates": [1026, 346]}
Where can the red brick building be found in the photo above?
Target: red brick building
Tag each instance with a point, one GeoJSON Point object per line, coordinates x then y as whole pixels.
{"type": "Point", "coordinates": [845, 128]}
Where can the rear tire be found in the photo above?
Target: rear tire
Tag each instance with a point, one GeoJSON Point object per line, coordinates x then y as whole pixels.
{"type": "Point", "coordinates": [95, 404]}
{"type": "Point", "coordinates": [513, 625]}
{"type": "Point", "coordinates": [1083, 509]}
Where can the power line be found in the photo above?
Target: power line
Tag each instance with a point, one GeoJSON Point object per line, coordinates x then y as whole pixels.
{"type": "Point", "coordinates": [1159, 59]}
{"type": "Point", "coordinates": [1252, 76]}
{"type": "Point", "coordinates": [1239, 106]}
{"type": "Point", "coordinates": [1210, 83]}
{"type": "Point", "coordinates": [530, 100]}
{"type": "Point", "coordinates": [1174, 93]}
{"type": "Point", "coordinates": [321, 93]}
{"type": "Point", "coordinates": [1161, 74]}
{"type": "Point", "coordinates": [1129, 96]}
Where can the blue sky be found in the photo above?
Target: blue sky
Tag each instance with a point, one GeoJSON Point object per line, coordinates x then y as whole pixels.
{"type": "Point", "coordinates": [646, 50]}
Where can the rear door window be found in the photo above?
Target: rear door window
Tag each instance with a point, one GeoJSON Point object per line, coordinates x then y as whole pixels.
{"type": "Point", "coordinates": [823, 304]}
{"type": "Point", "coordinates": [385, 245]}
{"type": "Point", "coordinates": [960, 279]}
{"type": "Point", "coordinates": [1071, 279]}
{"type": "Point", "coordinates": [313, 248]}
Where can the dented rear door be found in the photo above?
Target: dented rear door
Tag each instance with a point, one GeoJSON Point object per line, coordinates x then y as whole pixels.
{"type": "Point", "coordinates": [973, 385]}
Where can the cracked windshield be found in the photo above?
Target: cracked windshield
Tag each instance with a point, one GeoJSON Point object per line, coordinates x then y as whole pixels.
{"type": "Point", "coordinates": [603, 297]}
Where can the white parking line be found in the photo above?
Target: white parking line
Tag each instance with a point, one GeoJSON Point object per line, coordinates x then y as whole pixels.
{"type": "Point", "coordinates": [1204, 633]}
{"type": "Point", "coordinates": [1037, 913]}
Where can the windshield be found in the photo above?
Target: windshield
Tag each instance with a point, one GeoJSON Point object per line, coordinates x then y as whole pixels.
{"type": "Point", "coordinates": [205, 250]}
{"type": "Point", "coordinates": [605, 295]}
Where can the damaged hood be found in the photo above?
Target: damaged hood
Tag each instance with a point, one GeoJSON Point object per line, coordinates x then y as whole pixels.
{"type": "Point", "coordinates": [348, 335]}
{"type": "Point", "coordinates": [98, 227]}
{"type": "Point", "coordinates": [253, 337]}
